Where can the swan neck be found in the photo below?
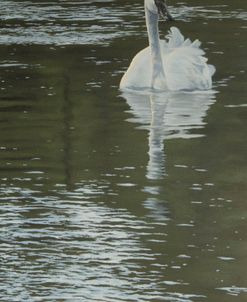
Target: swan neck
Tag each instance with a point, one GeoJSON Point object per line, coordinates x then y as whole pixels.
{"type": "Point", "coordinates": [158, 74]}
{"type": "Point", "coordinates": [153, 31]}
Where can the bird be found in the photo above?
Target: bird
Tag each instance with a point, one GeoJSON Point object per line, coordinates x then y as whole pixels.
{"type": "Point", "coordinates": [173, 64]}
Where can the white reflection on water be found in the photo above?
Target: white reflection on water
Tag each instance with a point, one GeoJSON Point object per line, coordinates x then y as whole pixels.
{"type": "Point", "coordinates": [234, 290]}
{"type": "Point", "coordinates": [89, 22]}
{"type": "Point", "coordinates": [168, 116]}
{"type": "Point", "coordinates": [70, 247]}
{"type": "Point", "coordinates": [65, 22]}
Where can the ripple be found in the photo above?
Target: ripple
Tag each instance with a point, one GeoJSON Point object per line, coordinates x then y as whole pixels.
{"type": "Point", "coordinates": [226, 258]}
{"type": "Point", "coordinates": [68, 23]}
{"type": "Point", "coordinates": [84, 22]}
{"type": "Point", "coordinates": [71, 247]}
{"type": "Point", "coordinates": [234, 290]}
{"type": "Point", "coordinates": [218, 12]}
{"type": "Point", "coordinates": [236, 106]}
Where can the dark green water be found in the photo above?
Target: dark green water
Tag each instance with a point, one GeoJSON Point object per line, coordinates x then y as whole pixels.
{"type": "Point", "coordinates": [110, 197]}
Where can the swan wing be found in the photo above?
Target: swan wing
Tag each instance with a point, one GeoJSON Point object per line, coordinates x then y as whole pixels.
{"type": "Point", "coordinates": [184, 63]}
{"type": "Point", "coordinates": [138, 74]}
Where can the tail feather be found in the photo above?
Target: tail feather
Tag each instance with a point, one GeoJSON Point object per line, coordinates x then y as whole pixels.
{"type": "Point", "coordinates": [175, 38]}
{"type": "Point", "coordinates": [185, 65]}
{"type": "Point", "coordinates": [196, 43]}
{"type": "Point", "coordinates": [212, 69]}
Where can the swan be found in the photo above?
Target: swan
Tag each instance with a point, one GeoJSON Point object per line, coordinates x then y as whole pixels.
{"type": "Point", "coordinates": [173, 64]}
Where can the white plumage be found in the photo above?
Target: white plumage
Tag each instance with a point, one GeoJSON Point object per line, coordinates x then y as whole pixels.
{"type": "Point", "coordinates": [172, 64]}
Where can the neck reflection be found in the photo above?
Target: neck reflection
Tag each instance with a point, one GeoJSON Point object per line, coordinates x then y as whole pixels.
{"type": "Point", "coordinates": [156, 163]}
{"type": "Point", "coordinates": [166, 116]}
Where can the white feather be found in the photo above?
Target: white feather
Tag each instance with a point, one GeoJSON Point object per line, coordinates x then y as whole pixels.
{"type": "Point", "coordinates": [172, 64]}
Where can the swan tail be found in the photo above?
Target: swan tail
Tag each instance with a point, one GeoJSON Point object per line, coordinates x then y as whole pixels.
{"type": "Point", "coordinates": [212, 69]}
{"type": "Point", "coordinates": [176, 39]}
{"type": "Point", "coordinates": [185, 66]}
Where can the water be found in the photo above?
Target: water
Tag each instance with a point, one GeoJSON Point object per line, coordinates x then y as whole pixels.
{"type": "Point", "coordinates": [111, 197]}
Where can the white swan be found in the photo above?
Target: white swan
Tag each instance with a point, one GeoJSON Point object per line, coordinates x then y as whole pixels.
{"type": "Point", "coordinates": [175, 64]}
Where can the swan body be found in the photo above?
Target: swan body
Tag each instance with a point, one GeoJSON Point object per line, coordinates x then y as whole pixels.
{"type": "Point", "coordinates": [172, 64]}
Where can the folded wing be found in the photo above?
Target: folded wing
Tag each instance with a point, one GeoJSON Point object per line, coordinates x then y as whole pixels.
{"type": "Point", "coordinates": [184, 63]}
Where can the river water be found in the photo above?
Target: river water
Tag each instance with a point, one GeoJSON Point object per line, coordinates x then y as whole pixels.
{"type": "Point", "coordinates": [119, 197]}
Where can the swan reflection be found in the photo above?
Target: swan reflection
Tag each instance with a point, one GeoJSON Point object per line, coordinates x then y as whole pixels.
{"type": "Point", "coordinates": [167, 116]}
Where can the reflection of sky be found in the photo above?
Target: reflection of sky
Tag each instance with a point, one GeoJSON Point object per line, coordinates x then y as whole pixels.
{"type": "Point", "coordinates": [70, 247]}
{"type": "Point", "coordinates": [168, 116]}
{"type": "Point", "coordinates": [88, 22]}
{"type": "Point", "coordinates": [65, 23]}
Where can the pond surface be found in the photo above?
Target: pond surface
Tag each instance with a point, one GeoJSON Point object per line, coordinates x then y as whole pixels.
{"type": "Point", "coordinates": [119, 197]}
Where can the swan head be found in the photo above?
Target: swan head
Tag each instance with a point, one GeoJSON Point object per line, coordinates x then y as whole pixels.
{"type": "Point", "coordinates": [158, 7]}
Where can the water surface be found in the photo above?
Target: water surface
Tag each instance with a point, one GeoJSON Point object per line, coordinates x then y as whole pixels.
{"type": "Point", "coordinates": [119, 197]}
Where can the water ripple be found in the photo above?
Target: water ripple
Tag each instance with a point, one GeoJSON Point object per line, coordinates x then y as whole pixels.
{"type": "Point", "coordinates": [53, 247]}
{"type": "Point", "coordinates": [84, 22]}
{"type": "Point", "coordinates": [79, 22]}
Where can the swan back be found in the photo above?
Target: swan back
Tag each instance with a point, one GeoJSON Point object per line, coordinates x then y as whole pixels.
{"type": "Point", "coordinates": [185, 66]}
{"type": "Point", "coordinates": [183, 61]}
